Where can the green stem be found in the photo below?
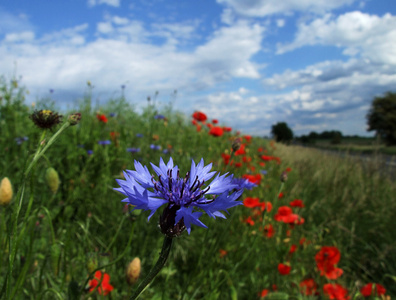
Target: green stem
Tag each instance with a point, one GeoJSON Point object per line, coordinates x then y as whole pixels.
{"type": "Point", "coordinates": [166, 247]}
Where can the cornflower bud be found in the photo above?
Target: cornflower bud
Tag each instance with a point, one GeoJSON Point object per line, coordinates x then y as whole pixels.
{"type": "Point", "coordinates": [283, 176]}
{"type": "Point", "coordinates": [5, 191]}
{"type": "Point", "coordinates": [52, 179]}
{"type": "Point", "coordinates": [236, 144]}
{"type": "Point", "coordinates": [74, 119]}
{"type": "Point", "coordinates": [133, 271]}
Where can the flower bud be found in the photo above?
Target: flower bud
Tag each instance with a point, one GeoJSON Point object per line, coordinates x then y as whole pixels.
{"type": "Point", "coordinates": [74, 119]}
{"type": "Point", "coordinates": [236, 144]}
{"type": "Point", "coordinates": [283, 176]}
{"type": "Point", "coordinates": [5, 191]}
{"type": "Point", "coordinates": [52, 178]}
{"type": "Point", "coordinates": [133, 271]}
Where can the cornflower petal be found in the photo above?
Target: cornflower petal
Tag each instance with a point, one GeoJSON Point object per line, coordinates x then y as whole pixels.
{"type": "Point", "coordinates": [222, 202]}
{"type": "Point", "coordinates": [189, 217]}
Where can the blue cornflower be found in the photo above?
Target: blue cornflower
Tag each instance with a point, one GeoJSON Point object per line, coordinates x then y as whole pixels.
{"type": "Point", "coordinates": [243, 183]}
{"type": "Point", "coordinates": [183, 196]}
{"type": "Point", "coordinates": [264, 172]}
{"type": "Point", "coordinates": [159, 117]}
{"type": "Point", "coordinates": [139, 135]}
{"type": "Point", "coordinates": [89, 152]}
{"type": "Point", "coordinates": [106, 142]}
{"type": "Point", "coordinates": [155, 147]}
{"type": "Point", "coordinates": [20, 140]}
{"type": "Point", "coordinates": [112, 114]}
{"type": "Point", "coordinates": [133, 150]}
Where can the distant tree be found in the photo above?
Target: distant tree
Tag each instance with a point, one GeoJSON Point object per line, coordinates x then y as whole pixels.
{"type": "Point", "coordinates": [282, 132]}
{"type": "Point", "coordinates": [382, 117]}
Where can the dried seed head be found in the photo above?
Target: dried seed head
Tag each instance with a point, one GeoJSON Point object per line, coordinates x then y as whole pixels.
{"type": "Point", "coordinates": [5, 191]}
{"type": "Point", "coordinates": [133, 271]}
{"type": "Point", "coordinates": [45, 119]}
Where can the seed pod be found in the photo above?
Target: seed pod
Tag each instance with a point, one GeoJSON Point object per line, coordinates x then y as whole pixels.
{"type": "Point", "coordinates": [133, 271]}
{"type": "Point", "coordinates": [52, 179]}
{"type": "Point", "coordinates": [5, 191]}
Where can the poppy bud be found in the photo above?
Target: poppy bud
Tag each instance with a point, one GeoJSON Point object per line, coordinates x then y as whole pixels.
{"type": "Point", "coordinates": [133, 271]}
{"type": "Point", "coordinates": [92, 264]}
{"type": "Point", "coordinates": [52, 178]}
{"type": "Point", "coordinates": [5, 191]}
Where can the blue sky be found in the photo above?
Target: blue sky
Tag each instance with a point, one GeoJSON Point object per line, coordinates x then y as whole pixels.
{"type": "Point", "coordinates": [315, 64]}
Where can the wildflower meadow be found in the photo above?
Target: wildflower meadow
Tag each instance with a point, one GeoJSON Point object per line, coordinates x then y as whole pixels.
{"type": "Point", "coordinates": [114, 202]}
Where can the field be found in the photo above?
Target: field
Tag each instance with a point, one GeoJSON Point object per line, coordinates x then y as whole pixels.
{"type": "Point", "coordinates": [311, 227]}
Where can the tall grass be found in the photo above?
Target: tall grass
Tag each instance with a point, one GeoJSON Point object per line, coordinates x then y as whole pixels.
{"type": "Point", "coordinates": [65, 237]}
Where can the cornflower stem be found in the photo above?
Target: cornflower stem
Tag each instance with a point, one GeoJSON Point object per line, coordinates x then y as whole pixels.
{"type": "Point", "coordinates": [166, 247]}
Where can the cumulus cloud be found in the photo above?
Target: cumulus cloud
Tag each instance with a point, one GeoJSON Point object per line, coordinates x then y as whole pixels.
{"type": "Point", "coordinates": [127, 51]}
{"type": "Point", "coordinates": [371, 36]}
{"type": "Point", "coordinates": [261, 8]}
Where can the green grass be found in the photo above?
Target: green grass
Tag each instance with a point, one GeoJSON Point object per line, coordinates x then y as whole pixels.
{"type": "Point", "coordinates": [63, 237]}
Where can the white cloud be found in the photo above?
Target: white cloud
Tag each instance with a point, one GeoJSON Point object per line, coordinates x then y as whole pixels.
{"type": "Point", "coordinates": [66, 59]}
{"type": "Point", "coordinates": [280, 23]}
{"type": "Point", "coordinates": [115, 3]}
{"type": "Point", "coordinates": [371, 36]}
{"type": "Point", "coordinates": [261, 8]}
{"type": "Point", "coordinates": [23, 36]}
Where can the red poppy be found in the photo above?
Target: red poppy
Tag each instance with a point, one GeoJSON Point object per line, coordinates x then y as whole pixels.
{"type": "Point", "coordinates": [293, 249]}
{"type": "Point", "coordinates": [263, 293]}
{"type": "Point", "coordinates": [216, 131]}
{"type": "Point", "coordinates": [284, 269]}
{"type": "Point", "coordinates": [269, 231]}
{"type": "Point", "coordinates": [249, 221]}
{"type": "Point", "coordinates": [326, 259]}
{"type": "Point", "coordinates": [335, 291]}
{"type": "Point", "coordinates": [281, 195]}
{"type": "Point", "coordinates": [370, 289]}
{"type": "Point", "coordinates": [274, 287]}
{"type": "Point", "coordinates": [256, 179]}
{"type": "Point", "coordinates": [246, 159]}
{"type": "Point", "coordinates": [308, 287]}
{"type": "Point", "coordinates": [199, 116]}
{"type": "Point", "coordinates": [209, 125]}
{"type": "Point", "coordinates": [194, 122]}
{"type": "Point", "coordinates": [105, 287]}
{"type": "Point", "coordinates": [226, 158]}
{"type": "Point", "coordinates": [297, 203]}
{"type": "Point", "coordinates": [241, 150]}
{"type": "Point", "coordinates": [248, 138]}
{"type": "Point", "coordinates": [214, 121]}
{"type": "Point", "coordinates": [268, 205]}
{"type": "Point", "coordinates": [227, 129]}
{"type": "Point", "coordinates": [251, 202]}
{"type": "Point", "coordinates": [101, 118]}
{"type": "Point", "coordinates": [198, 127]}
{"type": "Point", "coordinates": [288, 170]}
{"type": "Point", "coordinates": [285, 215]}
{"type": "Point", "coordinates": [222, 253]}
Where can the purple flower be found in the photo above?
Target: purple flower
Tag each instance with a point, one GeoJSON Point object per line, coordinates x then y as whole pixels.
{"type": "Point", "coordinates": [133, 150]}
{"type": "Point", "coordinates": [113, 114]}
{"type": "Point", "coordinates": [20, 140]}
{"type": "Point", "coordinates": [243, 183]}
{"type": "Point", "coordinates": [106, 142]}
{"type": "Point", "coordinates": [155, 147]}
{"type": "Point", "coordinates": [264, 172]}
{"type": "Point", "coordinates": [89, 152]}
{"type": "Point", "coordinates": [159, 117]}
{"type": "Point", "coordinates": [184, 197]}
{"type": "Point", "coordinates": [139, 135]}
